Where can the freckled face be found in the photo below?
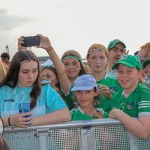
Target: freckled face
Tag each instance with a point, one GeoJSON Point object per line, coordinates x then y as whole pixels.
{"type": "Point", "coordinates": [128, 77]}
{"type": "Point", "coordinates": [28, 73]}
{"type": "Point", "coordinates": [97, 60]}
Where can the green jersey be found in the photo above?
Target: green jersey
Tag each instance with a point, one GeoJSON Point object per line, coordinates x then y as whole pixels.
{"type": "Point", "coordinates": [112, 82]}
{"type": "Point", "coordinates": [103, 102]}
{"type": "Point", "coordinates": [136, 104]}
{"type": "Point", "coordinates": [78, 114]}
{"type": "Point", "coordinates": [102, 81]}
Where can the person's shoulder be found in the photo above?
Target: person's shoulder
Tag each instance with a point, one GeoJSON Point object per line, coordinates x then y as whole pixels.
{"type": "Point", "coordinates": [72, 110]}
{"type": "Point", "coordinates": [77, 114]}
{"type": "Point", "coordinates": [76, 111]}
{"type": "Point", "coordinates": [46, 87]}
{"type": "Point", "coordinates": [118, 93]}
{"type": "Point", "coordinates": [112, 74]}
{"type": "Point", "coordinates": [5, 87]}
{"type": "Point", "coordinates": [142, 89]}
{"type": "Point", "coordinates": [6, 90]}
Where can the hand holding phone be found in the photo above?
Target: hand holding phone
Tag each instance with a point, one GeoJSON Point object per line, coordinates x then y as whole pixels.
{"type": "Point", "coordinates": [24, 108]}
{"type": "Point", "coordinates": [31, 41]}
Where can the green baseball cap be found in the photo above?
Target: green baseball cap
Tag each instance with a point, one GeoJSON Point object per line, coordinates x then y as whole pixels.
{"type": "Point", "coordinates": [145, 62]}
{"type": "Point", "coordinates": [130, 61]}
{"type": "Point", "coordinates": [114, 42]}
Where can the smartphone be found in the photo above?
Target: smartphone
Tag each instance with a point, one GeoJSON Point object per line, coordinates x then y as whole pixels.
{"type": "Point", "coordinates": [23, 108]}
{"type": "Point", "coordinates": [31, 41]}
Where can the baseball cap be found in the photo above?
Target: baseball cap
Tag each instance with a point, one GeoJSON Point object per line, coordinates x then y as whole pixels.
{"type": "Point", "coordinates": [145, 62]}
{"type": "Point", "coordinates": [84, 82]}
{"type": "Point", "coordinates": [114, 42]}
{"type": "Point", "coordinates": [130, 61]}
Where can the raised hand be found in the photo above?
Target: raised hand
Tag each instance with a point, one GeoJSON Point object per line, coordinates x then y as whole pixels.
{"type": "Point", "coordinates": [20, 42]}
{"type": "Point", "coordinates": [44, 43]}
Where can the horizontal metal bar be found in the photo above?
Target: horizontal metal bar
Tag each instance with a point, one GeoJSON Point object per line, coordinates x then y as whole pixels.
{"type": "Point", "coordinates": [68, 125]}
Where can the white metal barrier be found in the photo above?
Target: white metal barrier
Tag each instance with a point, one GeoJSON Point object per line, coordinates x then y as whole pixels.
{"type": "Point", "coordinates": [96, 134]}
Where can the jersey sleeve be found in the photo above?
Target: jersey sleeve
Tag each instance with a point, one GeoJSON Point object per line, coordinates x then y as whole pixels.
{"type": "Point", "coordinates": [144, 103]}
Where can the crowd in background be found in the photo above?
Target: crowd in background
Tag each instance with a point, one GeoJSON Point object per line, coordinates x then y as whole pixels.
{"type": "Point", "coordinates": [113, 84]}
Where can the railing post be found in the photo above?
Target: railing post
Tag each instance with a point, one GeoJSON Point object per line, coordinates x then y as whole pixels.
{"type": "Point", "coordinates": [132, 141]}
{"type": "Point", "coordinates": [87, 139]}
{"type": "Point", "coordinates": [43, 140]}
{"type": "Point", "coordinates": [43, 134]}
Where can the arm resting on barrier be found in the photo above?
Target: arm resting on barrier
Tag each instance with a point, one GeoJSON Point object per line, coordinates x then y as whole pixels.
{"type": "Point", "coordinates": [139, 127]}
{"type": "Point", "coordinates": [17, 120]}
{"type": "Point", "coordinates": [59, 116]}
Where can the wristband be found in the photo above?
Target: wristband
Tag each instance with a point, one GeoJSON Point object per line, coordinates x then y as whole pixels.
{"type": "Point", "coordinates": [50, 49]}
{"type": "Point", "coordinates": [9, 121]}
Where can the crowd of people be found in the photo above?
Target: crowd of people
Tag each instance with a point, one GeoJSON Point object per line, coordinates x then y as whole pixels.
{"type": "Point", "coordinates": [115, 85]}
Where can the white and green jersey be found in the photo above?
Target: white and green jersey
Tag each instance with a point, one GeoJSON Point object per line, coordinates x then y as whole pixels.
{"type": "Point", "coordinates": [136, 104]}
{"type": "Point", "coordinates": [112, 82]}
{"type": "Point", "coordinates": [48, 101]}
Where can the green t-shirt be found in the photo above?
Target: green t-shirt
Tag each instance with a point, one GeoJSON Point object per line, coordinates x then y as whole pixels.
{"type": "Point", "coordinates": [78, 114]}
{"type": "Point", "coordinates": [136, 104]}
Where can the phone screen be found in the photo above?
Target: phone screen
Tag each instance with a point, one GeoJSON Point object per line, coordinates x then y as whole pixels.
{"type": "Point", "coordinates": [31, 41]}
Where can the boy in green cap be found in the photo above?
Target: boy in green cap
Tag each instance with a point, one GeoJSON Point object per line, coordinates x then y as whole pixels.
{"type": "Point", "coordinates": [133, 101]}
{"type": "Point", "coordinates": [116, 50]}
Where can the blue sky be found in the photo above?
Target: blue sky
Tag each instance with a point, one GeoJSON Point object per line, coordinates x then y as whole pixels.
{"type": "Point", "coordinates": [75, 24]}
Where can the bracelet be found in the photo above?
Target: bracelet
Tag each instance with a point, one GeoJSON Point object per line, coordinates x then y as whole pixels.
{"type": "Point", "coordinates": [50, 49]}
{"type": "Point", "coordinates": [9, 121]}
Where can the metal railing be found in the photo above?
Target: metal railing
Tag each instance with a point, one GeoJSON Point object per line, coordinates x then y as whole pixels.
{"type": "Point", "coordinates": [96, 134]}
